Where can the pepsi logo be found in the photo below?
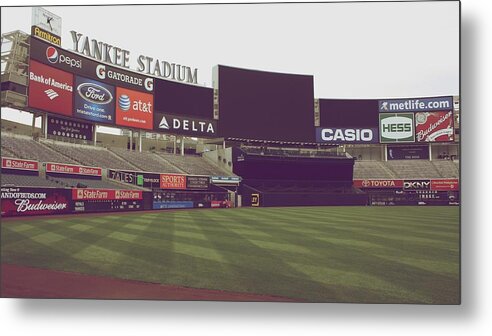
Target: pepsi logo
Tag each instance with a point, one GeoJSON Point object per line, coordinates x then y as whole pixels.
{"type": "Point", "coordinates": [52, 54]}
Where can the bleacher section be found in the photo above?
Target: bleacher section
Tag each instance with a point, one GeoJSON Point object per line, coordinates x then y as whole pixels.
{"type": "Point", "coordinates": [149, 162]}
{"type": "Point", "coordinates": [25, 148]}
{"type": "Point", "coordinates": [26, 181]}
{"type": "Point", "coordinates": [371, 170]}
{"type": "Point", "coordinates": [90, 155]}
{"type": "Point", "coordinates": [74, 183]}
{"type": "Point", "coordinates": [192, 164]}
{"type": "Point", "coordinates": [413, 169]}
{"type": "Point", "coordinates": [447, 168]}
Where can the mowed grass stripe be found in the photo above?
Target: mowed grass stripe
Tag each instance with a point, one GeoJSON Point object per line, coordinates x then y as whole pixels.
{"type": "Point", "coordinates": [267, 251]}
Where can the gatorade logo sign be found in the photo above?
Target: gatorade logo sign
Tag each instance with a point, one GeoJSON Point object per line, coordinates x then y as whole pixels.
{"type": "Point", "coordinates": [397, 127]}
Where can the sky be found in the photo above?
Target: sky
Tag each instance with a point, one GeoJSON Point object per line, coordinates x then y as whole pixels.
{"type": "Point", "coordinates": [354, 50]}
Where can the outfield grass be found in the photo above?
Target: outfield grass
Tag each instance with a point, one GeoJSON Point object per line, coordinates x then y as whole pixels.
{"type": "Point", "coordinates": [330, 254]}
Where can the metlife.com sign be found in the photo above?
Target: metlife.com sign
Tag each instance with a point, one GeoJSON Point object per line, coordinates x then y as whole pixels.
{"type": "Point", "coordinates": [416, 104]}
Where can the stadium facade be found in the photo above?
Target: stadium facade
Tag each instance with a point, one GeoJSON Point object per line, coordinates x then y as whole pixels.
{"type": "Point", "coordinates": [264, 139]}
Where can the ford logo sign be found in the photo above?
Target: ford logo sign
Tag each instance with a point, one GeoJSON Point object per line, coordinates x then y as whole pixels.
{"type": "Point", "coordinates": [94, 93]}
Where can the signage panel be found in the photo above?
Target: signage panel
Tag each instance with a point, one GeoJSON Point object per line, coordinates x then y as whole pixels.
{"type": "Point", "coordinates": [416, 184]}
{"type": "Point", "coordinates": [106, 194]}
{"type": "Point", "coordinates": [347, 135]}
{"type": "Point", "coordinates": [82, 66]}
{"type": "Point", "coordinates": [19, 164]}
{"type": "Point", "coordinates": [172, 204]}
{"type": "Point", "coordinates": [416, 104]}
{"type": "Point", "coordinates": [197, 182]}
{"type": "Point", "coordinates": [50, 89]}
{"type": "Point", "coordinates": [45, 35]}
{"type": "Point", "coordinates": [445, 184]}
{"type": "Point", "coordinates": [134, 109]}
{"type": "Point", "coordinates": [408, 152]}
{"type": "Point", "coordinates": [378, 183]}
{"type": "Point", "coordinates": [70, 128]}
{"type": "Point", "coordinates": [94, 100]}
{"type": "Point", "coordinates": [173, 181]}
{"type": "Point", "coordinates": [142, 179]}
{"type": "Point", "coordinates": [169, 123]}
{"type": "Point", "coordinates": [397, 127]}
{"type": "Point", "coordinates": [35, 201]}
{"type": "Point", "coordinates": [434, 126]}
{"type": "Point", "coordinates": [59, 168]}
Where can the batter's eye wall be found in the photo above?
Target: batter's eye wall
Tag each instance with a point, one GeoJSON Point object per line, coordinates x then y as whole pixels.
{"type": "Point", "coordinates": [264, 105]}
{"type": "Point", "coordinates": [183, 100]}
{"type": "Point", "coordinates": [343, 113]}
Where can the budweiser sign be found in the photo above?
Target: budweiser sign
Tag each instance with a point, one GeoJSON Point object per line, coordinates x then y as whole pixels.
{"type": "Point", "coordinates": [34, 201]}
{"type": "Point", "coordinates": [9, 163]}
{"type": "Point", "coordinates": [71, 169]}
{"type": "Point", "coordinates": [378, 183]}
{"type": "Point", "coordinates": [105, 194]}
{"type": "Point", "coordinates": [434, 126]}
{"type": "Point", "coordinates": [173, 181]}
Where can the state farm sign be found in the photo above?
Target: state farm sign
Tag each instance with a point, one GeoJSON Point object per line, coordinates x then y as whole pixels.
{"type": "Point", "coordinates": [378, 183]}
{"type": "Point", "coordinates": [19, 164]}
{"type": "Point", "coordinates": [105, 194]}
{"type": "Point", "coordinates": [71, 169]}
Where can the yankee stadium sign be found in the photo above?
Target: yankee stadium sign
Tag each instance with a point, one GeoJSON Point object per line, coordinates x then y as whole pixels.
{"type": "Point", "coordinates": [107, 53]}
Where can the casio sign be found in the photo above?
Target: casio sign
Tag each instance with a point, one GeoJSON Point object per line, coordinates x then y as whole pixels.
{"type": "Point", "coordinates": [347, 135]}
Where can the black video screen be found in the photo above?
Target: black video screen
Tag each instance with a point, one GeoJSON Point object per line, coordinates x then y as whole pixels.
{"type": "Point", "coordinates": [262, 105]}
{"type": "Point", "coordinates": [183, 99]}
{"type": "Point", "coordinates": [345, 113]}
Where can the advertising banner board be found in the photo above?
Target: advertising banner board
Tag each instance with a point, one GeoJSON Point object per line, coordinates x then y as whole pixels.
{"type": "Point", "coordinates": [416, 184]}
{"type": "Point", "coordinates": [445, 184]}
{"type": "Point", "coordinates": [416, 104]}
{"type": "Point", "coordinates": [197, 182]}
{"type": "Point", "coordinates": [434, 126]}
{"type": "Point", "coordinates": [407, 152]}
{"type": "Point", "coordinates": [25, 201]}
{"type": "Point", "coordinates": [378, 183]}
{"type": "Point", "coordinates": [94, 100]}
{"type": "Point", "coordinates": [172, 204]}
{"type": "Point", "coordinates": [59, 168]}
{"type": "Point", "coordinates": [19, 164]}
{"type": "Point", "coordinates": [169, 123]}
{"type": "Point", "coordinates": [134, 109]}
{"type": "Point", "coordinates": [105, 194]}
{"type": "Point", "coordinates": [70, 128]}
{"type": "Point", "coordinates": [82, 66]}
{"type": "Point", "coordinates": [173, 181]}
{"type": "Point", "coordinates": [396, 127]}
{"type": "Point", "coordinates": [50, 89]}
{"type": "Point", "coordinates": [142, 179]}
{"type": "Point", "coordinates": [347, 135]}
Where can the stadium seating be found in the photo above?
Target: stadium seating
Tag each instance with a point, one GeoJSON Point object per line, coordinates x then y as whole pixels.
{"type": "Point", "coordinates": [101, 184]}
{"type": "Point", "coordinates": [193, 164]}
{"type": "Point", "coordinates": [372, 170]}
{"type": "Point", "coordinates": [447, 168]}
{"type": "Point", "coordinates": [90, 155]}
{"type": "Point", "coordinates": [145, 161]}
{"type": "Point", "coordinates": [413, 169]}
{"type": "Point", "coordinates": [25, 148]}
{"type": "Point", "coordinates": [26, 181]}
